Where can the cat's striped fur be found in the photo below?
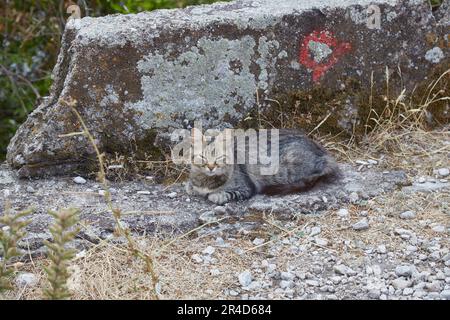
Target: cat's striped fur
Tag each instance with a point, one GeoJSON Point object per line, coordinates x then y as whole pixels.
{"type": "Point", "coordinates": [302, 162]}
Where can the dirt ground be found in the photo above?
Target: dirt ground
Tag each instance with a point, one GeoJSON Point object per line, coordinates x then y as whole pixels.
{"type": "Point", "coordinates": [392, 244]}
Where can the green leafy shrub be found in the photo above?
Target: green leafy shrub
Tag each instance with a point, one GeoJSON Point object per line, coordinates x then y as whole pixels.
{"type": "Point", "coordinates": [63, 232]}
{"type": "Point", "coordinates": [30, 33]}
{"type": "Point", "coordinates": [12, 230]}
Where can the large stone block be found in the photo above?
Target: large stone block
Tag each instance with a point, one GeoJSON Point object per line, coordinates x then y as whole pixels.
{"type": "Point", "coordinates": [136, 77]}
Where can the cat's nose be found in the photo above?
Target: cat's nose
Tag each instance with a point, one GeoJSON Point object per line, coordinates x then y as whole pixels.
{"type": "Point", "coordinates": [211, 166]}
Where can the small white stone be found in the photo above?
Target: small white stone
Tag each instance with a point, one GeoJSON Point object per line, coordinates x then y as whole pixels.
{"type": "Point", "coordinates": [26, 279]}
{"type": "Point", "coordinates": [445, 294]}
{"type": "Point", "coordinates": [209, 250]}
{"type": "Point", "coordinates": [315, 231]}
{"type": "Point", "coordinates": [215, 272]}
{"type": "Point", "coordinates": [408, 215]}
{"type": "Point", "coordinates": [197, 258]}
{"type": "Point", "coordinates": [401, 283]}
{"type": "Point", "coordinates": [258, 241]}
{"type": "Point", "coordinates": [354, 197]}
{"type": "Point", "coordinates": [434, 286]}
{"type": "Point", "coordinates": [245, 278]}
{"type": "Point", "coordinates": [172, 195]}
{"type": "Point", "coordinates": [287, 276]}
{"type": "Point", "coordinates": [6, 193]}
{"type": "Point", "coordinates": [284, 284]}
{"type": "Point", "coordinates": [405, 271]}
{"type": "Point", "coordinates": [422, 180]}
{"type": "Point", "coordinates": [81, 254]}
{"type": "Point", "coordinates": [30, 189]}
{"type": "Point", "coordinates": [342, 213]}
{"type": "Point", "coordinates": [438, 228]}
{"type": "Point", "coordinates": [371, 161]}
{"type": "Point", "coordinates": [321, 242]}
{"type": "Point", "coordinates": [233, 293]}
{"type": "Point", "coordinates": [312, 283]}
{"type": "Point", "coordinates": [408, 291]}
{"type": "Point", "coordinates": [443, 172]}
{"type": "Point", "coordinates": [434, 55]}
{"type": "Point", "coordinates": [144, 192]}
{"type": "Point", "coordinates": [361, 224]}
{"type": "Point", "coordinates": [343, 270]}
{"type": "Point", "coordinates": [79, 180]}
{"type": "Point", "coordinates": [381, 249]}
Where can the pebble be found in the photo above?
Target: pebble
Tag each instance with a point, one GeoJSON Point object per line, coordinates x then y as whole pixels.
{"type": "Point", "coordinates": [258, 241]}
{"type": "Point", "coordinates": [284, 284]}
{"type": "Point", "coordinates": [197, 258]}
{"type": "Point", "coordinates": [403, 271]}
{"type": "Point", "coordinates": [336, 279]}
{"type": "Point", "coordinates": [312, 283]}
{"type": "Point", "coordinates": [26, 279]}
{"type": "Point", "coordinates": [445, 294]}
{"type": "Point", "coordinates": [361, 224]}
{"type": "Point", "coordinates": [215, 272]}
{"type": "Point", "coordinates": [321, 242]}
{"type": "Point", "coordinates": [342, 213]}
{"type": "Point", "coordinates": [371, 161]}
{"type": "Point", "coordinates": [30, 189]}
{"type": "Point", "coordinates": [381, 249]}
{"type": "Point", "coordinates": [408, 291]}
{"type": "Point", "coordinates": [220, 210]}
{"type": "Point", "coordinates": [407, 215]}
{"type": "Point", "coordinates": [287, 276]}
{"type": "Point", "coordinates": [354, 197]}
{"type": "Point", "coordinates": [315, 231]}
{"type": "Point", "coordinates": [79, 180]}
{"type": "Point", "coordinates": [434, 286]}
{"type": "Point", "coordinates": [422, 180]}
{"type": "Point", "coordinates": [233, 293]}
{"type": "Point", "coordinates": [209, 250]}
{"type": "Point", "coordinates": [443, 172]}
{"type": "Point", "coordinates": [343, 270]}
{"type": "Point", "coordinates": [438, 229]}
{"type": "Point", "coordinates": [374, 293]}
{"type": "Point", "coordinates": [245, 278]}
{"type": "Point", "coordinates": [144, 192]}
{"type": "Point", "coordinates": [172, 195]}
{"type": "Point", "coordinates": [401, 283]}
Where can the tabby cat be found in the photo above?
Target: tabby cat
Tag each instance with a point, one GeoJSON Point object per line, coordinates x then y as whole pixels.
{"type": "Point", "coordinates": [302, 162]}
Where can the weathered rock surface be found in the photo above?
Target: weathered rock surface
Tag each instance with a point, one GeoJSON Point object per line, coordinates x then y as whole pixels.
{"type": "Point", "coordinates": [157, 211]}
{"type": "Point", "coordinates": [136, 77]}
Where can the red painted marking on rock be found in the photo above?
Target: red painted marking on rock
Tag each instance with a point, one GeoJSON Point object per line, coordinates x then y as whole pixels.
{"type": "Point", "coordinates": [325, 37]}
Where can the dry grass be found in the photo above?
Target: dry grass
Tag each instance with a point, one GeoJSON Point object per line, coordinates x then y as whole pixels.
{"type": "Point", "coordinates": [400, 140]}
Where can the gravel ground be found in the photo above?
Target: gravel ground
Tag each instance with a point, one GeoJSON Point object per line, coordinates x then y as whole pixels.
{"type": "Point", "coordinates": [377, 234]}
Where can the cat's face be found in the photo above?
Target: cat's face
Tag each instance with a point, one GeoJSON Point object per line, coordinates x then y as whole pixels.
{"type": "Point", "coordinates": [210, 166]}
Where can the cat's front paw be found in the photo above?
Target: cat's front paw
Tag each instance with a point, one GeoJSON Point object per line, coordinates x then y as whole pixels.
{"type": "Point", "coordinates": [218, 198]}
